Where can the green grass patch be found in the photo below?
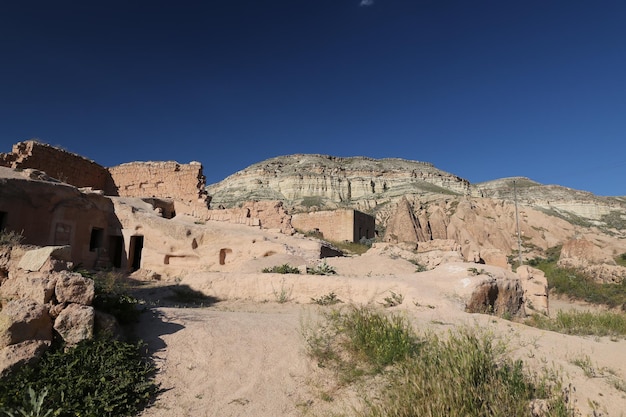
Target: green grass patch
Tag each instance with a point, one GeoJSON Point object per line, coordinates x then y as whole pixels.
{"type": "Point", "coordinates": [585, 323]}
{"type": "Point", "coordinates": [464, 373]}
{"type": "Point", "coordinates": [281, 269]}
{"type": "Point", "coordinates": [96, 378]}
{"type": "Point", "coordinates": [360, 341]}
{"type": "Point", "coordinates": [575, 284]}
{"type": "Point", "coordinates": [621, 260]}
{"type": "Point", "coordinates": [354, 248]}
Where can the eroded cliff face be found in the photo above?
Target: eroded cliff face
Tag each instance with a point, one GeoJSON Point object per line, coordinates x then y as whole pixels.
{"type": "Point", "coordinates": [305, 181]}
{"type": "Point", "coordinates": [574, 205]}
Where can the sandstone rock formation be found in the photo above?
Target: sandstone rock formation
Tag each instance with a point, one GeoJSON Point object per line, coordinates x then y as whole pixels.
{"type": "Point", "coordinates": [328, 182]}
{"type": "Point", "coordinates": [535, 286]}
{"type": "Point", "coordinates": [33, 302]}
{"type": "Point", "coordinates": [595, 261]}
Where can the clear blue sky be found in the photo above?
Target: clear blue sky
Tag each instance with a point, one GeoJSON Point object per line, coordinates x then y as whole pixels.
{"type": "Point", "coordinates": [481, 89]}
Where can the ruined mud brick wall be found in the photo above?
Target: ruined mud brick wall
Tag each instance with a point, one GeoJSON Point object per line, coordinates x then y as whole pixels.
{"type": "Point", "coordinates": [337, 225]}
{"type": "Point", "coordinates": [263, 214]}
{"type": "Point", "coordinates": [182, 183]}
{"type": "Point", "coordinates": [65, 166]}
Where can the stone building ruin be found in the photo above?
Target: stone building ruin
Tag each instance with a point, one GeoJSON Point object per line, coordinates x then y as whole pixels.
{"type": "Point", "coordinates": [120, 216]}
{"type": "Point", "coordinates": [337, 225]}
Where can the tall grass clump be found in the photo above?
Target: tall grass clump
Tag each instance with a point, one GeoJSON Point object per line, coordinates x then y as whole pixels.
{"type": "Point", "coordinates": [359, 340]}
{"type": "Point", "coordinates": [465, 374]}
{"type": "Point", "coordinates": [584, 323]}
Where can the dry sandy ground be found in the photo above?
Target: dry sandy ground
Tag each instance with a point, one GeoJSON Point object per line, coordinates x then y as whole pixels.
{"type": "Point", "coordinates": [246, 356]}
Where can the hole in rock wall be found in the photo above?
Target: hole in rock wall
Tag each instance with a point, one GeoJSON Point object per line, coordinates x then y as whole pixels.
{"type": "Point", "coordinates": [96, 239]}
{"type": "Point", "coordinates": [116, 249]}
{"type": "Point", "coordinates": [223, 253]}
{"type": "Point", "coordinates": [136, 247]}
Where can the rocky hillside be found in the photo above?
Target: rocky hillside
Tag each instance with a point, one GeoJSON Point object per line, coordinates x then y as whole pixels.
{"type": "Point", "coordinates": [307, 181]}
{"type": "Point", "coordinates": [312, 182]}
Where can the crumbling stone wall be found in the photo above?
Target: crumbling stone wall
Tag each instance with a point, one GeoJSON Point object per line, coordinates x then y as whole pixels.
{"type": "Point", "coordinates": [65, 166]}
{"type": "Point", "coordinates": [263, 214]}
{"type": "Point", "coordinates": [337, 225]}
{"type": "Point", "coordinates": [182, 183]}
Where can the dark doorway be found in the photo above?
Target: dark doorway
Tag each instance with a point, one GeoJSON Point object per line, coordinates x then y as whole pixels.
{"type": "Point", "coordinates": [3, 219]}
{"type": "Point", "coordinates": [116, 248]}
{"type": "Point", "coordinates": [136, 246]}
{"type": "Point", "coordinates": [97, 237]}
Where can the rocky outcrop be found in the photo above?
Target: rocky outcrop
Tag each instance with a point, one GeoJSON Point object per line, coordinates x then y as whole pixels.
{"type": "Point", "coordinates": [594, 261]}
{"type": "Point", "coordinates": [36, 301]}
{"type": "Point", "coordinates": [499, 296]}
{"type": "Point", "coordinates": [75, 323]}
{"type": "Point", "coordinates": [573, 205]}
{"type": "Point", "coordinates": [22, 320]}
{"type": "Point", "coordinates": [535, 286]}
{"type": "Point", "coordinates": [327, 182]}
{"type": "Point", "coordinates": [403, 226]}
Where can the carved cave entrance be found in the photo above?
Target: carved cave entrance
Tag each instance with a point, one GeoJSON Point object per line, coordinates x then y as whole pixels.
{"type": "Point", "coordinates": [136, 246]}
{"type": "Point", "coordinates": [116, 248]}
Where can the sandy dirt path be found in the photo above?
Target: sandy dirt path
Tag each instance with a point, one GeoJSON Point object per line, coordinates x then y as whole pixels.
{"type": "Point", "coordinates": [220, 362]}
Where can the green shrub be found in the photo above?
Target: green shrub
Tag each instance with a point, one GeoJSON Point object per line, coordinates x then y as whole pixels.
{"type": "Point", "coordinates": [327, 300]}
{"type": "Point", "coordinates": [34, 406]}
{"type": "Point", "coordinates": [621, 260]}
{"type": "Point", "coordinates": [112, 296]}
{"type": "Point", "coordinates": [96, 378]}
{"type": "Point", "coordinates": [281, 269]}
{"type": "Point", "coordinates": [321, 269]}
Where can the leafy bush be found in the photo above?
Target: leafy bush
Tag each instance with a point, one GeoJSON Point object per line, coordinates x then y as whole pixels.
{"type": "Point", "coordinates": [112, 297]}
{"type": "Point", "coordinates": [621, 260]}
{"type": "Point", "coordinates": [327, 300]}
{"type": "Point", "coordinates": [281, 269]}
{"type": "Point", "coordinates": [96, 378]}
{"type": "Point", "coordinates": [321, 269]}
{"type": "Point", "coordinates": [34, 406]}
